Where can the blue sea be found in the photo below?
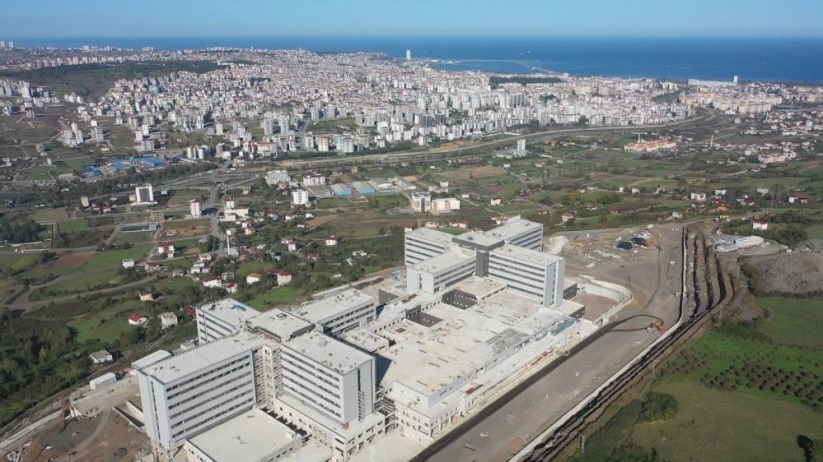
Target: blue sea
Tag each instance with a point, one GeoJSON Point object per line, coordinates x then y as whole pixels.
{"type": "Point", "coordinates": [774, 60]}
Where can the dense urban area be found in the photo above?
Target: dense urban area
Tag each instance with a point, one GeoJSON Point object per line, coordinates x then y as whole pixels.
{"type": "Point", "coordinates": [238, 254]}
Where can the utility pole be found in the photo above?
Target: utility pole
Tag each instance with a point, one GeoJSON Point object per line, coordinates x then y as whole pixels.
{"type": "Point", "coordinates": [582, 443]}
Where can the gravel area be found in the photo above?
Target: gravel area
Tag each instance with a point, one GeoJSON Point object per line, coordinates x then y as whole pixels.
{"type": "Point", "coordinates": [797, 272]}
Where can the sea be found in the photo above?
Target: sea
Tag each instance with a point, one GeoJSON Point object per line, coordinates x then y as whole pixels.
{"type": "Point", "coordinates": [797, 60]}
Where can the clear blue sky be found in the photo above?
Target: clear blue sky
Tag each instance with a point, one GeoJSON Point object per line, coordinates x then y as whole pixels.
{"type": "Point", "coordinates": [358, 18]}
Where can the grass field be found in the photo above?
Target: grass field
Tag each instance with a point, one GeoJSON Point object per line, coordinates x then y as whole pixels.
{"type": "Point", "coordinates": [107, 325]}
{"type": "Point", "coordinates": [815, 231]}
{"type": "Point", "coordinates": [113, 258]}
{"type": "Point", "coordinates": [6, 288]}
{"type": "Point", "coordinates": [85, 283]}
{"type": "Point", "coordinates": [714, 425]}
{"type": "Point", "coordinates": [796, 321]}
{"type": "Point", "coordinates": [48, 215]}
{"type": "Point", "coordinates": [745, 391]}
{"type": "Point", "coordinates": [278, 296]}
{"type": "Point", "coordinates": [252, 267]}
{"type": "Point", "coordinates": [73, 225]}
{"type": "Point", "coordinates": [12, 263]}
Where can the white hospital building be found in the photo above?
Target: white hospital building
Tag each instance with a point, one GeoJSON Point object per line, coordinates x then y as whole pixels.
{"type": "Point", "coordinates": [391, 367]}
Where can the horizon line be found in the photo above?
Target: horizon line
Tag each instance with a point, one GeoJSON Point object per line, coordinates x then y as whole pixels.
{"type": "Point", "coordinates": [433, 36]}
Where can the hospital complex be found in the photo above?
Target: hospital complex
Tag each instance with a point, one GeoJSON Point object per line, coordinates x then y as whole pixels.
{"type": "Point", "coordinates": [402, 360]}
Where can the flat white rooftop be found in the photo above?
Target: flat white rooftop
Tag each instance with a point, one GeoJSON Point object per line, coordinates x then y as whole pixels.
{"type": "Point", "coordinates": [453, 257]}
{"type": "Point", "coordinates": [479, 238]}
{"type": "Point", "coordinates": [365, 339]}
{"type": "Point", "coordinates": [229, 310]}
{"type": "Point", "coordinates": [155, 357]}
{"type": "Point", "coordinates": [327, 351]}
{"type": "Point", "coordinates": [252, 435]}
{"type": "Point", "coordinates": [318, 311]}
{"type": "Point", "coordinates": [521, 253]}
{"type": "Point", "coordinates": [432, 235]}
{"type": "Point", "coordinates": [480, 287]}
{"type": "Point", "coordinates": [514, 228]}
{"type": "Point", "coordinates": [279, 323]}
{"type": "Point", "coordinates": [204, 356]}
{"type": "Point", "coordinates": [345, 432]}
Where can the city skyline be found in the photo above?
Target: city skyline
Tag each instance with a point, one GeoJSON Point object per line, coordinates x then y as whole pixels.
{"type": "Point", "coordinates": [369, 18]}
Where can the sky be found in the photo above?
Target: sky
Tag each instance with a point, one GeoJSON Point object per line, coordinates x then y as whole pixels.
{"type": "Point", "coordinates": [402, 18]}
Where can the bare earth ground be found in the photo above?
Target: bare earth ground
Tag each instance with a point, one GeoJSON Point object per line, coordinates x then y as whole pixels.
{"type": "Point", "coordinates": [190, 231]}
{"type": "Point", "coordinates": [474, 173]}
{"type": "Point", "coordinates": [72, 260]}
{"type": "Point", "coordinates": [105, 437]}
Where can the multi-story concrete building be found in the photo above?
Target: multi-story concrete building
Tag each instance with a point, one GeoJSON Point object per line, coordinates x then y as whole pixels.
{"type": "Point", "coordinates": [440, 272]}
{"type": "Point", "coordinates": [423, 243]}
{"type": "Point", "coordinates": [519, 232]}
{"type": "Point", "coordinates": [299, 197]}
{"type": "Point", "coordinates": [275, 177]}
{"type": "Point", "coordinates": [421, 201]}
{"type": "Point", "coordinates": [476, 312]}
{"type": "Point", "coordinates": [216, 320]}
{"type": "Point", "coordinates": [187, 394]}
{"type": "Point", "coordinates": [535, 275]}
{"type": "Point", "coordinates": [339, 312]}
{"type": "Point", "coordinates": [331, 377]}
{"type": "Point", "coordinates": [195, 208]}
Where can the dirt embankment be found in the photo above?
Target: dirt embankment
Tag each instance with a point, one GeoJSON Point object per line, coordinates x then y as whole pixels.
{"type": "Point", "coordinates": [786, 273]}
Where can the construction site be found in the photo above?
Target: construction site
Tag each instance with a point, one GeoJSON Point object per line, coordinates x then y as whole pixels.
{"type": "Point", "coordinates": [647, 302]}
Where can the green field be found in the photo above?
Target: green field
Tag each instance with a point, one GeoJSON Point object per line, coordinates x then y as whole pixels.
{"type": "Point", "coordinates": [815, 231]}
{"type": "Point", "coordinates": [13, 263]}
{"type": "Point", "coordinates": [252, 267]}
{"type": "Point", "coordinates": [796, 321]}
{"type": "Point", "coordinates": [73, 225]}
{"type": "Point", "coordinates": [714, 425]}
{"type": "Point", "coordinates": [278, 296]}
{"type": "Point", "coordinates": [109, 324]}
{"type": "Point", "coordinates": [745, 391]}
{"type": "Point", "coordinates": [89, 281]}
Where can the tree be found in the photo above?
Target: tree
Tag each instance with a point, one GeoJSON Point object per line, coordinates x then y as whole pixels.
{"type": "Point", "coordinates": [807, 445]}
